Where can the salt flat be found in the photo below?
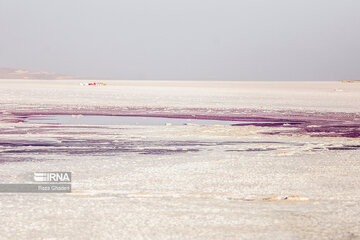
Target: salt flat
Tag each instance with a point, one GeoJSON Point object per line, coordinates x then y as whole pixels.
{"type": "Point", "coordinates": [297, 179]}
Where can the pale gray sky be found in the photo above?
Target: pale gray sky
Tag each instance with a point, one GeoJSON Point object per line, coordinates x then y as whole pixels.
{"type": "Point", "coordinates": [184, 39]}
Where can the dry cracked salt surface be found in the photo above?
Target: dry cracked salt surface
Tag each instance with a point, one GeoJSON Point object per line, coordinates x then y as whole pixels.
{"type": "Point", "coordinates": [288, 170]}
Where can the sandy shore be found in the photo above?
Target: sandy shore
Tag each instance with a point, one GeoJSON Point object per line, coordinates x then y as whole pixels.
{"type": "Point", "coordinates": [317, 96]}
{"type": "Point", "coordinates": [296, 179]}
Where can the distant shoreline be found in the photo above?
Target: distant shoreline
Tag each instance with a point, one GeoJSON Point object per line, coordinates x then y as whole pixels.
{"type": "Point", "coordinates": [23, 74]}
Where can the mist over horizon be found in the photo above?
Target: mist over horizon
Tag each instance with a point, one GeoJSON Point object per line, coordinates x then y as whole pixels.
{"type": "Point", "coordinates": [183, 40]}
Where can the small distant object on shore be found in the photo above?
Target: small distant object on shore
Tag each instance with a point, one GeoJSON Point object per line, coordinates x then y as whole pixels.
{"type": "Point", "coordinates": [93, 84]}
{"type": "Point", "coordinates": [350, 81]}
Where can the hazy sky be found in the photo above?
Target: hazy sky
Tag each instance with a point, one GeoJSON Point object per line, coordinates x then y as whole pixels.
{"type": "Point", "coordinates": [184, 39]}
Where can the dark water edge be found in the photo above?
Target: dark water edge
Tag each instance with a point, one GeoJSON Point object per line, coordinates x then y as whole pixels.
{"type": "Point", "coordinates": [291, 123]}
